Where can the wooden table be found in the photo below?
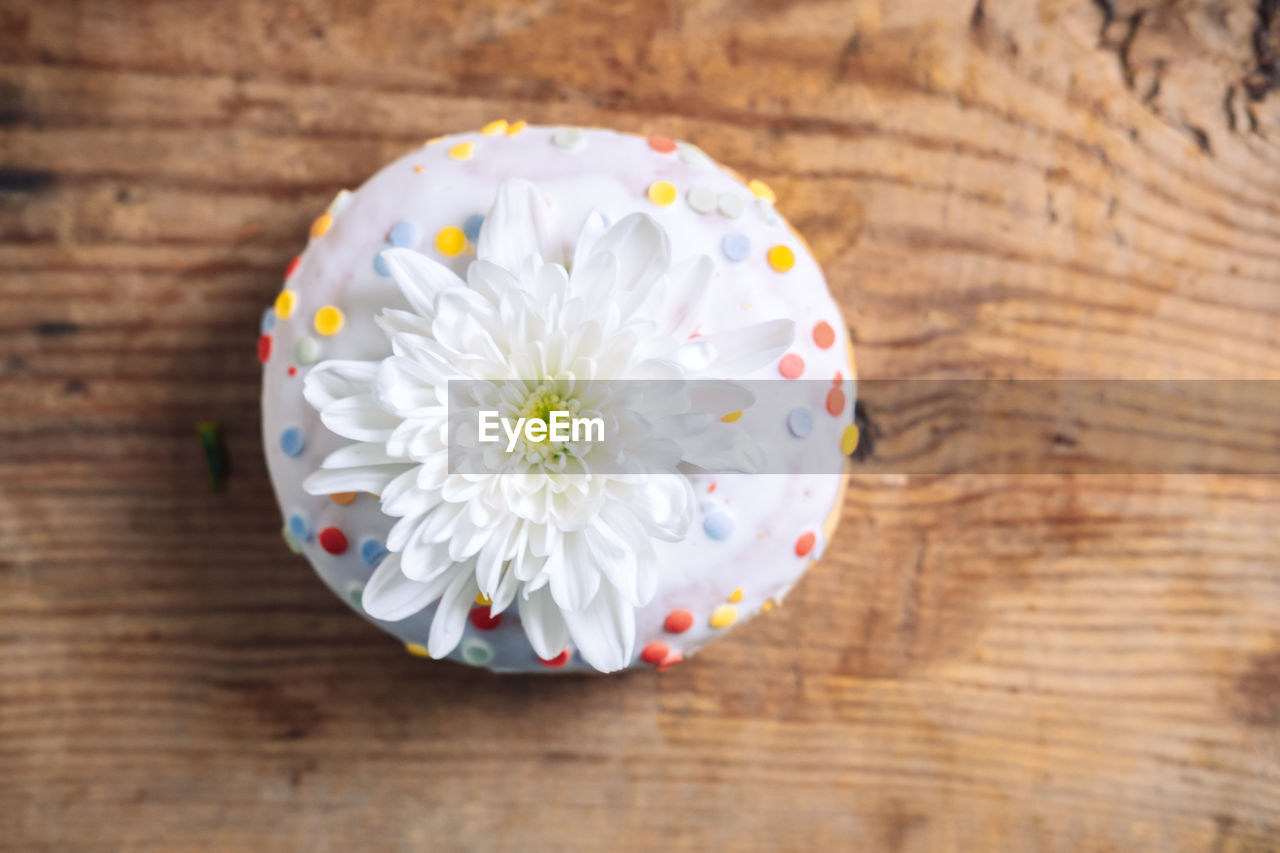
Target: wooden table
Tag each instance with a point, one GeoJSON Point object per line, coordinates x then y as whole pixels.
{"type": "Point", "coordinates": [1052, 189]}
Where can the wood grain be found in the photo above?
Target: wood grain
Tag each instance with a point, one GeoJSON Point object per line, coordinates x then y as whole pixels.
{"type": "Point", "coordinates": [1023, 663]}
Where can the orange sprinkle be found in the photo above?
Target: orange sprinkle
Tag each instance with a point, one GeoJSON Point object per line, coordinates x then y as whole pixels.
{"type": "Point", "coordinates": [342, 498]}
{"type": "Point", "coordinates": [655, 652]}
{"type": "Point", "coordinates": [805, 544]}
{"type": "Point", "coordinates": [670, 660]}
{"type": "Point", "coordinates": [823, 335]}
{"type": "Point", "coordinates": [661, 143]}
{"type": "Point", "coordinates": [791, 366]}
{"type": "Point", "coordinates": [678, 621]}
{"type": "Point", "coordinates": [835, 402]}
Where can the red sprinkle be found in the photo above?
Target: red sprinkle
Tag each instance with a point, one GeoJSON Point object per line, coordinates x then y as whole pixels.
{"type": "Point", "coordinates": [678, 621]}
{"type": "Point", "coordinates": [838, 378]}
{"type": "Point", "coordinates": [661, 143]}
{"type": "Point", "coordinates": [835, 402]}
{"type": "Point", "coordinates": [711, 488]}
{"type": "Point", "coordinates": [483, 621]}
{"type": "Point", "coordinates": [264, 348]}
{"type": "Point", "coordinates": [670, 660]}
{"type": "Point", "coordinates": [655, 652]}
{"type": "Point", "coordinates": [293, 371]}
{"type": "Point", "coordinates": [557, 661]}
{"type": "Point", "coordinates": [791, 366]}
{"type": "Point", "coordinates": [293, 265]}
{"type": "Point", "coordinates": [805, 544]}
{"type": "Point", "coordinates": [823, 335]}
{"type": "Point", "coordinates": [333, 540]}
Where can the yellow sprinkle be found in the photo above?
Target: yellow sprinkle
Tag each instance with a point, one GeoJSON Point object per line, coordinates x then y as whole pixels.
{"type": "Point", "coordinates": [417, 170]}
{"type": "Point", "coordinates": [417, 650]}
{"type": "Point", "coordinates": [661, 193]}
{"type": "Point", "coordinates": [767, 606]}
{"type": "Point", "coordinates": [760, 189]}
{"type": "Point", "coordinates": [285, 303]}
{"type": "Point", "coordinates": [481, 598]}
{"type": "Point", "coordinates": [746, 306]}
{"type": "Point", "coordinates": [342, 498]}
{"type": "Point", "coordinates": [328, 320]}
{"type": "Point", "coordinates": [724, 616]}
{"type": "Point", "coordinates": [849, 439]}
{"type": "Point", "coordinates": [495, 128]}
{"type": "Point", "coordinates": [321, 225]}
{"type": "Point", "coordinates": [515, 127]}
{"type": "Point", "coordinates": [781, 258]}
{"type": "Point", "coordinates": [433, 140]}
{"type": "Point", "coordinates": [736, 596]}
{"type": "Point", "coordinates": [450, 240]}
{"type": "Point", "coordinates": [462, 151]}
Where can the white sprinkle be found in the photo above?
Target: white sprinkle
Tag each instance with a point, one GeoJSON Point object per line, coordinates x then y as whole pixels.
{"type": "Point", "coordinates": [702, 199]}
{"type": "Point", "coordinates": [570, 139]}
{"type": "Point", "coordinates": [731, 205]}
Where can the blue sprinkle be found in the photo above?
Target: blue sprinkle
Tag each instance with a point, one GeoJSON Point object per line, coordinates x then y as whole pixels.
{"type": "Point", "coordinates": [718, 526]}
{"type": "Point", "coordinates": [471, 227]}
{"type": "Point", "coordinates": [736, 246]}
{"type": "Point", "coordinates": [299, 528]}
{"type": "Point", "coordinates": [380, 266]}
{"type": "Point", "coordinates": [800, 422]}
{"type": "Point", "coordinates": [405, 234]}
{"type": "Point", "coordinates": [372, 551]}
{"type": "Point", "coordinates": [268, 320]}
{"type": "Point", "coordinates": [292, 442]}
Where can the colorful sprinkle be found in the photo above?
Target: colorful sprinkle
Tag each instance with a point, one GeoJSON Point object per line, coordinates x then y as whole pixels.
{"type": "Point", "coordinates": [718, 526]}
{"type": "Point", "coordinates": [380, 265]}
{"type": "Point", "coordinates": [805, 544]}
{"type": "Point", "coordinates": [462, 151]}
{"type": "Point", "coordinates": [823, 335]}
{"type": "Point", "coordinates": [471, 226]}
{"type": "Point", "coordinates": [418, 170]}
{"type": "Point", "coordinates": [760, 189]}
{"type": "Point", "coordinates": [661, 193]}
{"type": "Point", "coordinates": [292, 442]}
{"type": "Point", "coordinates": [372, 552]}
{"type": "Point", "coordinates": [781, 258]}
{"type": "Point", "coordinates": [800, 422]}
{"type": "Point", "coordinates": [723, 616]}
{"type": "Point", "coordinates": [321, 225]}
{"type": "Point", "coordinates": [494, 128]}
{"type": "Point", "coordinates": [678, 621]}
{"type": "Point", "coordinates": [767, 606]}
{"type": "Point", "coordinates": [735, 596]}
{"type": "Point", "coordinates": [670, 660]}
{"type": "Point", "coordinates": [299, 528]}
{"type": "Point", "coordinates": [768, 215]}
{"type": "Point", "coordinates": [215, 452]}
{"type": "Point", "coordinates": [476, 652]}
{"type": "Point", "coordinates": [268, 320]}
{"type": "Point", "coordinates": [340, 202]}
{"type": "Point", "coordinates": [731, 206]}
{"type": "Point", "coordinates": [515, 127]}
{"type": "Point", "coordinates": [343, 498]}
{"type": "Point", "coordinates": [292, 371]}
{"type": "Point", "coordinates": [292, 267]}
{"type": "Point", "coordinates": [481, 598]}
{"type": "Point", "coordinates": [849, 439]}
{"type": "Point", "coordinates": [791, 366]}
{"type": "Point", "coordinates": [450, 240]}
{"type": "Point", "coordinates": [289, 540]}
{"type": "Point", "coordinates": [835, 402]}
{"type": "Point", "coordinates": [702, 199]}
{"type": "Point", "coordinates": [417, 650]}
{"type": "Point", "coordinates": [569, 138]}
{"type": "Point", "coordinates": [482, 620]}
{"type": "Point", "coordinates": [732, 417]}
{"type": "Point", "coordinates": [355, 594]}
{"type": "Point", "coordinates": [333, 540]}
{"type": "Point", "coordinates": [736, 246]}
{"type": "Point", "coordinates": [405, 235]}
{"type": "Point", "coordinates": [655, 652]}
{"type": "Point", "coordinates": [264, 348]}
{"type": "Point", "coordinates": [557, 661]}
{"type": "Point", "coordinates": [662, 144]}
{"type": "Point", "coordinates": [328, 320]}
{"type": "Point", "coordinates": [286, 301]}
{"type": "Point", "coordinates": [306, 350]}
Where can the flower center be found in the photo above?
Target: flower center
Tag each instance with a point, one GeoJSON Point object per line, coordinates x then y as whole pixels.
{"type": "Point", "coordinates": [544, 400]}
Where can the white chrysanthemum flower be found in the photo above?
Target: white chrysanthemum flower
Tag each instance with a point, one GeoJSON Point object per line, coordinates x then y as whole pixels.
{"type": "Point", "coordinates": [565, 531]}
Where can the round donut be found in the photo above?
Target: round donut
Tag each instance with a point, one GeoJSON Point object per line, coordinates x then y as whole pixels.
{"type": "Point", "coordinates": [429, 223]}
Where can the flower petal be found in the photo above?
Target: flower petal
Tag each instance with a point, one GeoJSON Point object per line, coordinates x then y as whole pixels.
{"type": "Point", "coordinates": [368, 478]}
{"type": "Point", "coordinates": [359, 418]}
{"type": "Point", "coordinates": [420, 278]}
{"type": "Point", "coordinates": [334, 380]}
{"type": "Point", "coordinates": [390, 596]}
{"type": "Point", "coordinates": [518, 227]}
{"type": "Point", "coordinates": [544, 624]}
{"type": "Point", "coordinates": [451, 615]}
{"type": "Point", "coordinates": [604, 631]}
